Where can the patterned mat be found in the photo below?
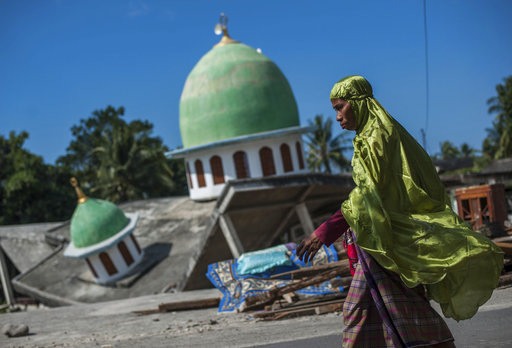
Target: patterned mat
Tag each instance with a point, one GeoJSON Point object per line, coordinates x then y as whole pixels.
{"type": "Point", "coordinates": [236, 288]}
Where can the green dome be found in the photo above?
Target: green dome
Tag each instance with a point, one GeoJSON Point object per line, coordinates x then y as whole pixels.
{"type": "Point", "coordinates": [232, 91]}
{"type": "Point", "coordinates": [95, 221]}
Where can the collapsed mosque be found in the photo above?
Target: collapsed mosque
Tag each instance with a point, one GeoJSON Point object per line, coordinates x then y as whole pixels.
{"type": "Point", "coordinates": [248, 183]}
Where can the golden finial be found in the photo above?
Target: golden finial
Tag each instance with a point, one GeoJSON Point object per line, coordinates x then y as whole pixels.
{"type": "Point", "coordinates": [81, 197]}
{"type": "Point", "coordinates": [221, 28]}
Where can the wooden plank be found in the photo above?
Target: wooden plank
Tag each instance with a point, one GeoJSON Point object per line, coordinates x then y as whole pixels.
{"type": "Point", "coordinates": [290, 298]}
{"type": "Point", "coordinates": [292, 314]}
{"type": "Point", "coordinates": [335, 307]}
{"type": "Point", "coordinates": [192, 304]}
{"type": "Point", "coordinates": [506, 239]}
{"type": "Point", "coordinates": [277, 305]}
{"type": "Point", "coordinates": [506, 247]}
{"type": "Point", "coordinates": [313, 270]}
{"type": "Point", "coordinates": [259, 301]}
{"type": "Point", "coordinates": [344, 281]}
{"type": "Point", "coordinates": [147, 311]}
{"type": "Point", "coordinates": [181, 305]}
{"type": "Point", "coordinates": [315, 304]}
{"type": "Point", "coordinates": [280, 305]}
{"type": "Point", "coordinates": [505, 279]}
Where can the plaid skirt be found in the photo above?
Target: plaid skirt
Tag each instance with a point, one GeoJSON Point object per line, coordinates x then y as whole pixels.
{"type": "Point", "coordinates": [380, 311]}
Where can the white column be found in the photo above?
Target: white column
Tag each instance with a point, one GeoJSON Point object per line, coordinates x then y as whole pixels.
{"type": "Point", "coordinates": [6, 281]}
{"type": "Point", "coordinates": [228, 229]}
{"type": "Point", "coordinates": [305, 218]}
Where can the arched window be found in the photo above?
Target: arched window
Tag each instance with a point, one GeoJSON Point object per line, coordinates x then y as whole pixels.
{"type": "Point", "coordinates": [188, 176]}
{"type": "Point", "coordinates": [200, 173]}
{"type": "Point", "coordinates": [267, 161]}
{"type": "Point", "coordinates": [241, 165]}
{"type": "Point", "coordinates": [299, 155]}
{"type": "Point", "coordinates": [128, 259]}
{"type": "Point", "coordinates": [286, 158]}
{"type": "Point", "coordinates": [91, 267]}
{"type": "Point", "coordinates": [217, 170]}
{"type": "Point", "coordinates": [135, 243]}
{"type": "Point", "coordinates": [107, 263]}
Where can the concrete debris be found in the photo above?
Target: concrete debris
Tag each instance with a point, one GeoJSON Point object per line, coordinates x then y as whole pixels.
{"type": "Point", "coordinates": [15, 330]}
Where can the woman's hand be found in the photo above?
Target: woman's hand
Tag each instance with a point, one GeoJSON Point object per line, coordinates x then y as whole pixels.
{"type": "Point", "coordinates": [308, 248]}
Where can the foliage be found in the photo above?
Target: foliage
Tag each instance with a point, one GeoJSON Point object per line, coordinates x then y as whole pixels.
{"type": "Point", "coordinates": [467, 151]}
{"type": "Point", "coordinates": [324, 150]}
{"type": "Point", "coordinates": [449, 151]}
{"type": "Point", "coordinates": [31, 191]}
{"type": "Point", "coordinates": [121, 161]}
{"type": "Point", "coordinates": [498, 143]}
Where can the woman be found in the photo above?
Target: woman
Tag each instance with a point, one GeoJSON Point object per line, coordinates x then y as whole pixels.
{"type": "Point", "coordinates": [407, 238]}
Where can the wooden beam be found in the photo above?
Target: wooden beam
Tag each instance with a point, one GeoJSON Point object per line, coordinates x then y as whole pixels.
{"type": "Point", "coordinates": [506, 247]}
{"type": "Point", "coordinates": [311, 301]}
{"type": "Point", "coordinates": [192, 304]}
{"type": "Point", "coordinates": [259, 301]}
{"type": "Point", "coordinates": [228, 229]}
{"type": "Point", "coordinates": [181, 305]}
{"type": "Point", "coordinates": [305, 218]}
{"type": "Point", "coordinates": [310, 309]}
{"type": "Point", "coordinates": [333, 307]}
{"type": "Point", "coordinates": [505, 279]}
{"type": "Point", "coordinates": [343, 281]}
{"type": "Point", "coordinates": [315, 270]}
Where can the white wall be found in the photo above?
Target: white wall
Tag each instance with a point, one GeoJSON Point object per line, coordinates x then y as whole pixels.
{"type": "Point", "coordinates": [117, 260]}
{"type": "Point", "coordinates": [226, 153]}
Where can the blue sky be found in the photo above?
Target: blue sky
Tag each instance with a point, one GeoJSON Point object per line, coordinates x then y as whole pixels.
{"type": "Point", "coordinates": [62, 59]}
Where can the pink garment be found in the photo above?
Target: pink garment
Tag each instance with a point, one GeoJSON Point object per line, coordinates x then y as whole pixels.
{"type": "Point", "coordinates": [332, 228]}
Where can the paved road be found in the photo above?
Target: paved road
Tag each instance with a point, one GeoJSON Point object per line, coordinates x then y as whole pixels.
{"type": "Point", "coordinates": [490, 327]}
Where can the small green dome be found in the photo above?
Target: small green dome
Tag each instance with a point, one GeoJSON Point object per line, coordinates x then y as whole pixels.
{"type": "Point", "coordinates": [232, 91]}
{"type": "Point", "coordinates": [95, 221]}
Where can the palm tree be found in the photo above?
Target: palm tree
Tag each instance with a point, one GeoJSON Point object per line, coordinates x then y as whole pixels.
{"type": "Point", "coordinates": [449, 151]}
{"type": "Point", "coordinates": [132, 164]}
{"type": "Point", "coordinates": [466, 151]}
{"type": "Point", "coordinates": [324, 150]}
{"type": "Point", "coordinates": [498, 143]}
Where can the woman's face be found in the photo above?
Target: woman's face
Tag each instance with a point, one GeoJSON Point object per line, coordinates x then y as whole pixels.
{"type": "Point", "coordinates": [344, 114]}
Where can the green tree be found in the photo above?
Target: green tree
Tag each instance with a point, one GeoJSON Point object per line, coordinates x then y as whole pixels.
{"type": "Point", "coordinates": [448, 151]}
{"type": "Point", "coordinates": [498, 143]}
{"type": "Point", "coordinates": [324, 150]}
{"type": "Point", "coordinates": [132, 164]}
{"type": "Point", "coordinates": [466, 151]}
{"type": "Point", "coordinates": [30, 190]}
{"type": "Point", "coordinates": [122, 161]}
{"type": "Point", "coordinates": [87, 136]}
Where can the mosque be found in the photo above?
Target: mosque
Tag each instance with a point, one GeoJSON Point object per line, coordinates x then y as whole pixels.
{"type": "Point", "coordinates": [249, 188]}
{"type": "Point", "coordinates": [238, 119]}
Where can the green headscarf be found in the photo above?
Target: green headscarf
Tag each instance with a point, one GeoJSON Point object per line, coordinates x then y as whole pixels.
{"type": "Point", "coordinates": [401, 214]}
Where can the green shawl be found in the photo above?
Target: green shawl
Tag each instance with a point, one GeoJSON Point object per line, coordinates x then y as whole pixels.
{"type": "Point", "coordinates": [401, 214]}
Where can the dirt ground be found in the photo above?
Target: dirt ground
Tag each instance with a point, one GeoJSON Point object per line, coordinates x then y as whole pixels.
{"type": "Point", "coordinates": [112, 324]}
